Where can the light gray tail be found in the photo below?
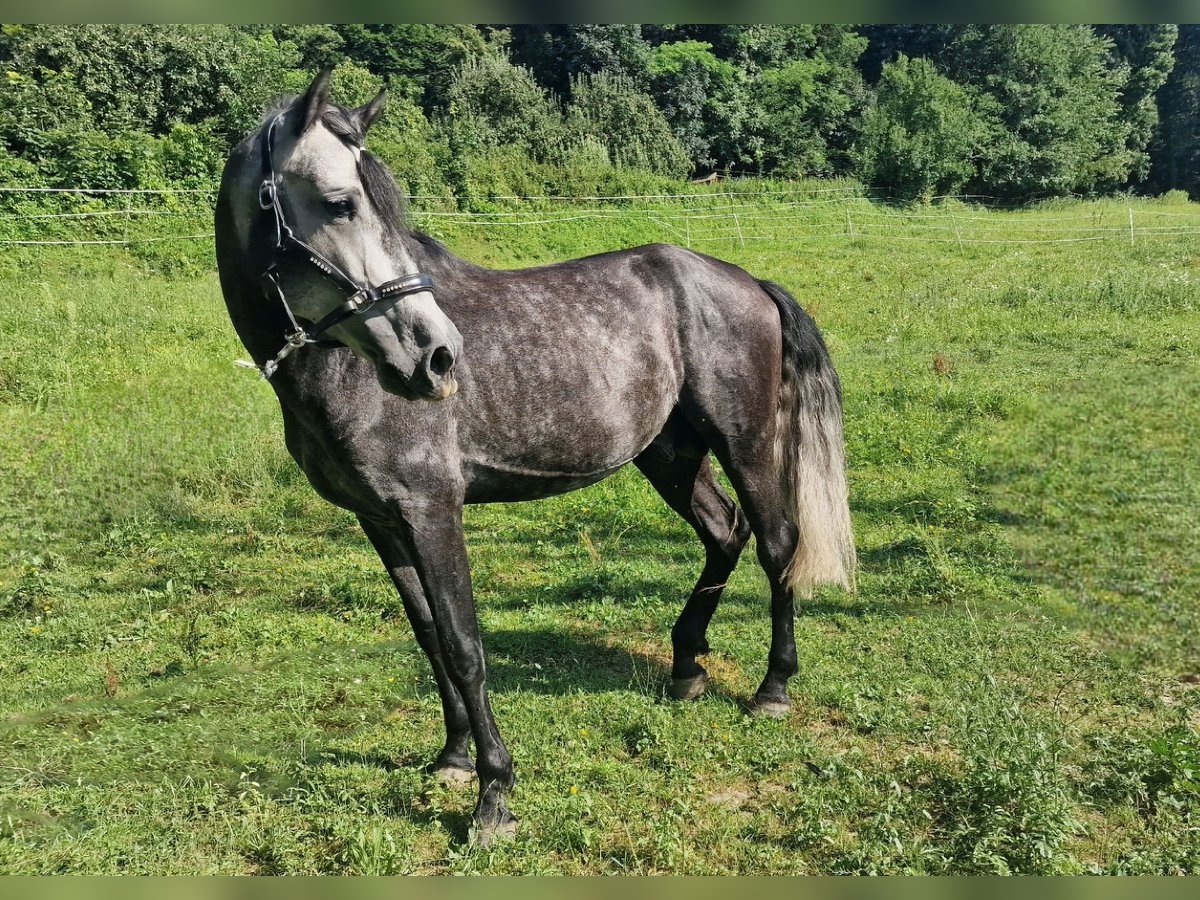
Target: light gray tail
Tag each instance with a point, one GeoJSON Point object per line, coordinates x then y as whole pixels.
{"type": "Point", "coordinates": [810, 453]}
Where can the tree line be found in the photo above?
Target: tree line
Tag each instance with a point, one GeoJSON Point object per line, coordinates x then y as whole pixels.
{"type": "Point", "coordinates": [914, 111]}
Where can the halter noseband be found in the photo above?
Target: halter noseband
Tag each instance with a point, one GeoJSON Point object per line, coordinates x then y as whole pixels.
{"type": "Point", "coordinates": [286, 244]}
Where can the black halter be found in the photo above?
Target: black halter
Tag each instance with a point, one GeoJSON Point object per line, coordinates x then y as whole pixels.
{"type": "Point", "coordinates": [286, 244]}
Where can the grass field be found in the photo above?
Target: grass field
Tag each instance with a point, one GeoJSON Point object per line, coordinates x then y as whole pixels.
{"type": "Point", "coordinates": [205, 669]}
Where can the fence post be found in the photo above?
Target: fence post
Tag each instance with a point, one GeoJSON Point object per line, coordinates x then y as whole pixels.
{"type": "Point", "coordinates": [1131, 226]}
{"type": "Point", "coordinates": [736, 221]}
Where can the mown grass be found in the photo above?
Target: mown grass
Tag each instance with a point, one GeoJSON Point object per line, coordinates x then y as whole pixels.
{"type": "Point", "coordinates": [206, 670]}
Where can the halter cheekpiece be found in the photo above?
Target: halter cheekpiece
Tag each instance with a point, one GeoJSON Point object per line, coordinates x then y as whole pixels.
{"type": "Point", "coordinates": [286, 244]}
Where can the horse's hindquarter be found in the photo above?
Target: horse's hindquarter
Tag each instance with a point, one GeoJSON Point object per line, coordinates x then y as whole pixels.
{"type": "Point", "coordinates": [568, 371]}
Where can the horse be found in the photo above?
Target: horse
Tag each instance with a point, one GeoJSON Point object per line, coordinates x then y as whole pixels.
{"type": "Point", "coordinates": [413, 382]}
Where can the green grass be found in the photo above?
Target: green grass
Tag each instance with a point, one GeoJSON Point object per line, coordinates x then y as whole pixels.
{"type": "Point", "coordinates": [206, 670]}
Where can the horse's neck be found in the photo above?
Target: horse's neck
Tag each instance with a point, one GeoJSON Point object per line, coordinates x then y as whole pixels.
{"type": "Point", "coordinates": [435, 259]}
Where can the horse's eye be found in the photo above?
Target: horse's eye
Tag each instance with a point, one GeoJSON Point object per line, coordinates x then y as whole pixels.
{"type": "Point", "coordinates": [340, 209]}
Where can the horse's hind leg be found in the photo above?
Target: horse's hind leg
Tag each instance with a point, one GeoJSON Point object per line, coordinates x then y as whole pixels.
{"type": "Point", "coordinates": [688, 485]}
{"type": "Point", "coordinates": [453, 764]}
{"type": "Point", "coordinates": [750, 465]}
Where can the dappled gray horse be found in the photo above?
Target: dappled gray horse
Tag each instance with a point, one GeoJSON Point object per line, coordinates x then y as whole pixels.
{"type": "Point", "coordinates": [538, 381]}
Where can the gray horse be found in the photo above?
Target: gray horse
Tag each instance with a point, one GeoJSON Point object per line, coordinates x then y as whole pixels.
{"type": "Point", "coordinates": [515, 385]}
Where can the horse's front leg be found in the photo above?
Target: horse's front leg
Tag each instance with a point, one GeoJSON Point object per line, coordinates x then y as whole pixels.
{"type": "Point", "coordinates": [433, 533]}
{"type": "Point", "coordinates": [453, 764]}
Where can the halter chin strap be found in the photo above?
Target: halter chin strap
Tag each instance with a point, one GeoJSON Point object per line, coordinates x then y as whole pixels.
{"type": "Point", "coordinates": [286, 244]}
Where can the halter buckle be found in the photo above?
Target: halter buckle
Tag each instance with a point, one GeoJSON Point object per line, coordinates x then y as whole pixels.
{"type": "Point", "coordinates": [361, 300]}
{"type": "Point", "coordinates": [266, 194]}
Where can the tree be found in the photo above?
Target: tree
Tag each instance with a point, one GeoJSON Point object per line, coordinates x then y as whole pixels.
{"type": "Point", "coordinates": [148, 77]}
{"type": "Point", "coordinates": [1055, 102]}
{"type": "Point", "coordinates": [887, 43]}
{"type": "Point", "coordinates": [421, 60]}
{"type": "Point", "coordinates": [1147, 52]}
{"type": "Point", "coordinates": [923, 134]}
{"type": "Point", "coordinates": [126, 105]}
{"type": "Point", "coordinates": [812, 104]}
{"type": "Point", "coordinates": [556, 54]}
{"type": "Point", "coordinates": [799, 94]}
{"type": "Point", "coordinates": [702, 100]}
{"type": "Point", "coordinates": [1176, 153]}
{"type": "Point", "coordinates": [318, 46]}
{"type": "Point", "coordinates": [493, 104]}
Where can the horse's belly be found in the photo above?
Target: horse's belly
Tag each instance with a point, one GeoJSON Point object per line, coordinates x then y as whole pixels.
{"type": "Point", "coordinates": [558, 451]}
{"type": "Point", "coordinates": [568, 440]}
{"type": "Point", "coordinates": [487, 483]}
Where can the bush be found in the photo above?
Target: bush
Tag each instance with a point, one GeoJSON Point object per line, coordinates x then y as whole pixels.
{"type": "Point", "coordinates": [192, 156]}
{"type": "Point", "coordinates": [494, 104]}
{"type": "Point", "coordinates": [97, 160]}
{"type": "Point", "coordinates": [609, 113]}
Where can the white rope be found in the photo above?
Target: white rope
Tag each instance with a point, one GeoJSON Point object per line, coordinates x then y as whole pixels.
{"type": "Point", "coordinates": [1162, 212]}
{"type": "Point", "coordinates": [94, 213]}
{"type": "Point", "coordinates": [729, 234]}
{"type": "Point", "coordinates": [177, 237]}
{"type": "Point", "coordinates": [15, 189]}
{"type": "Point", "coordinates": [689, 195]}
{"type": "Point", "coordinates": [624, 211]}
{"type": "Point", "coordinates": [876, 223]}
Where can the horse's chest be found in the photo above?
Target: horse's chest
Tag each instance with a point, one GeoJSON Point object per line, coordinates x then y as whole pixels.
{"type": "Point", "coordinates": [337, 462]}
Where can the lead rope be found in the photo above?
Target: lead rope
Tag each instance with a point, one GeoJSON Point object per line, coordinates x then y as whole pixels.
{"type": "Point", "coordinates": [295, 341]}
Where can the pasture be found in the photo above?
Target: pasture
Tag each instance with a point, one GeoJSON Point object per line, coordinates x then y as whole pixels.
{"type": "Point", "coordinates": [206, 670]}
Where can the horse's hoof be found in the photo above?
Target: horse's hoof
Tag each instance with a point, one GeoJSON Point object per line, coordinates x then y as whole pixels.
{"type": "Point", "coordinates": [767, 708]}
{"type": "Point", "coordinates": [454, 776]}
{"type": "Point", "coordinates": [490, 835]}
{"type": "Point", "coordinates": [688, 688]}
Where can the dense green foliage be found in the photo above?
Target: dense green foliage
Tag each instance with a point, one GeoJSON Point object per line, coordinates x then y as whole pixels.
{"type": "Point", "coordinates": [207, 670]}
{"type": "Point", "coordinates": [1176, 152]}
{"type": "Point", "coordinates": [924, 133]}
{"type": "Point", "coordinates": [1052, 103]}
{"type": "Point", "coordinates": [1047, 109]}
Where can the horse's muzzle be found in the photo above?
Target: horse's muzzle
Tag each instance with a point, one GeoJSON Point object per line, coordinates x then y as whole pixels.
{"type": "Point", "coordinates": [433, 378]}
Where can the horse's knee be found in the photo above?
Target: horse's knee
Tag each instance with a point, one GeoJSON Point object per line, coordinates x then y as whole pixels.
{"type": "Point", "coordinates": [495, 767]}
{"type": "Point", "coordinates": [425, 631]}
{"type": "Point", "coordinates": [463, 659]}
{"type": "Point", "coordinates": [776, 548]}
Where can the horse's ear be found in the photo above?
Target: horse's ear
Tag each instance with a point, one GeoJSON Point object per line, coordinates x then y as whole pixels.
{"type": "Point", "coordinates": [369, 112]}
{"type": "Point", "coordinates": [313, 100]}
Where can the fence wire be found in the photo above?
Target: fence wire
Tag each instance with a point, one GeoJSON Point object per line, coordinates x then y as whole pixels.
{"type": "Point", "coordinates": [695, 218]}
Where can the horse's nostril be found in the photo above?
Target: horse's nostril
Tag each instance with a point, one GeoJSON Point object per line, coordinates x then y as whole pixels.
{"type": "Point", "coordinates": [441, 362]}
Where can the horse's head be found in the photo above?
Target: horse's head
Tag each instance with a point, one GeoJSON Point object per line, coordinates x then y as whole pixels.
{"type": "Point", "coordinates": [341, 202]}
